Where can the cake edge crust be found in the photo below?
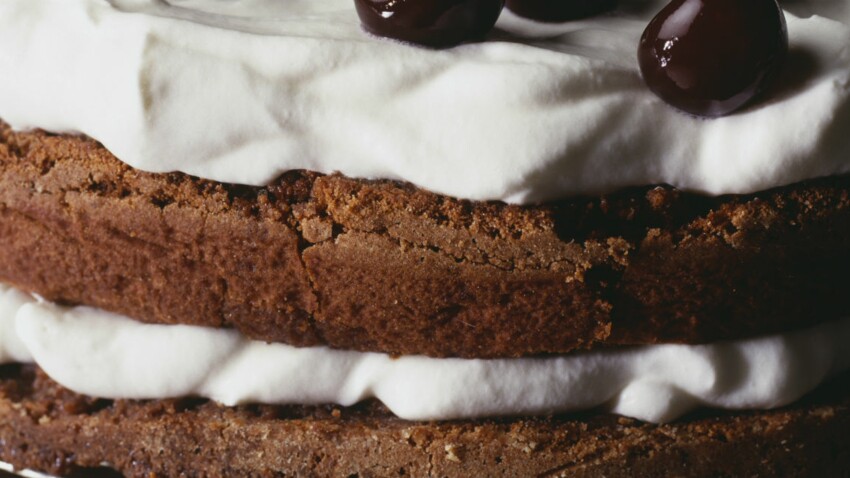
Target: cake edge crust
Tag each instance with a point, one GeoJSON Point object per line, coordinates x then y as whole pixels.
{"type": "Point", "coordinates": [384, 266]}
{"type": "Point", "coordinates": [48, 428]}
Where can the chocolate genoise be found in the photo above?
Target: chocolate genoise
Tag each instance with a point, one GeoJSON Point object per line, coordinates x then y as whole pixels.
{"type": "Point", "coordinates": [323, 259]}
{"type": "Point", "coordinates": [385, 266]}
{"type": "Point", "coordinates": [382, 266]}
{"type": "Point", "coordinates": [49, 428]}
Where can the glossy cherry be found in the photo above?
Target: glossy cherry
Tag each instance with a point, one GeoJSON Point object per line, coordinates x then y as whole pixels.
{"type": "Point", "coordinates": [436, 23]}
{"type": "Point", "coordinates": [711, 57]}
{"type": "Point", "coordinates": [559, 10]}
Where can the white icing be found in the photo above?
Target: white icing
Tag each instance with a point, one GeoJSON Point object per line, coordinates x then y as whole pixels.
{"type": "Point", "coordinates": [101, 354]}
{"type": "Point", "coordinates": [241, 90]}
{"type": "Point", "coordinates": [22, 473]}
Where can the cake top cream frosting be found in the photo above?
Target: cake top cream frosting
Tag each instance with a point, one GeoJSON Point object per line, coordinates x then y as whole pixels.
{"type": "Point", "coordinates": [242, 90]}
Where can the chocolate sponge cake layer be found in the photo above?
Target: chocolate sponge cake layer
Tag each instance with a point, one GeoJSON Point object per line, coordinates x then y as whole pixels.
{"type": "Point", "coordinates": [383, 266]}
{"type": "Point", "coordinates": [48, 428]}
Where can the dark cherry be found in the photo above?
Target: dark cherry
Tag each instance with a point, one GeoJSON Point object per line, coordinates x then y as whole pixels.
{"type": "Point", "coordinates": [711, 57]}
{"type": "Point", "coordinates": [436, 23]}
{"type": "Point", "coordinates": [559, 10]}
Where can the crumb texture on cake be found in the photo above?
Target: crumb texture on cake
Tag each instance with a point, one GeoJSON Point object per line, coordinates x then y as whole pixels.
{"type": "Point", "coordinates": [48, 428]}
{"type": "Point", "coordinates": [383, 266]}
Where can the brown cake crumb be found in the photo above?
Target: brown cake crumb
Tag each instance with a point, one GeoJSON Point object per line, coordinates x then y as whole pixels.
{"type": "Point", "coordinates": [45, 427]}
{"type": "Point", "coordinates": [384, 266]}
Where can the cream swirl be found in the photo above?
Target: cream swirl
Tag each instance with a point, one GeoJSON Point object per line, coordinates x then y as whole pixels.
{"type": "Point", "coordinates": [101, 354]}
{"type": "Point", "coordinates": [242, 90]}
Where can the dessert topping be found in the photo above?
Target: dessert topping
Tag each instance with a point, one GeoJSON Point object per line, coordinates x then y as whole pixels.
{"type": "Point", "coordinates": [436, 23]}
{"type": "Point", "coordinates": [711, 57]}
{"type": "Point", "coordinates": [559, 10]}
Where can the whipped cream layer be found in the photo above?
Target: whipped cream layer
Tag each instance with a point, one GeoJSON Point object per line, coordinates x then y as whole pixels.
{"type": "Point", "coordinates": [100, 354]}
{"type": "Point", "coordinates": [242, 90]}
{"type": "Point", "coordinates": [22, 473]}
